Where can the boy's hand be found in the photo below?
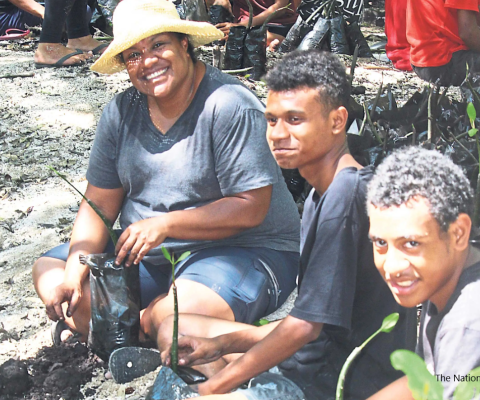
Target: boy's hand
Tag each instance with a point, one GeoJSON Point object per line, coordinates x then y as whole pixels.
{"type": "Point", "coordinates": [194, 351]}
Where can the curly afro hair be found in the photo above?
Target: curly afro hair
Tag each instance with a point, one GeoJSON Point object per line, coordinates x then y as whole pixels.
{"type": "Point", "coordinates": [312, 69]}
{"type": "Point", "coordinates": [416, 172]}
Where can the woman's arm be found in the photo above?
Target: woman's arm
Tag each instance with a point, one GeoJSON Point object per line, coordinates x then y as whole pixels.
{"type": "Point", "coordinates": [30, 6]}
{"type": "Point", "coordinates": [218, 220]}
{"type": "Point", "coordinates": [89, 236]}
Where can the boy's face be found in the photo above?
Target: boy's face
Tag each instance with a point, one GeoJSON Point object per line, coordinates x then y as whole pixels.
{"type": "Point", "coordinates": [299, 130]}
{"type": "Point", "coordinates": [414, 256]}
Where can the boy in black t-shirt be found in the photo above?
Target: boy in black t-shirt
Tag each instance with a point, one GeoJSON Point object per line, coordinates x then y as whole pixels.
{"type": "Point", "coordinates": [341, 297]}
{"type": "Point", "coordinates": [419, 203]}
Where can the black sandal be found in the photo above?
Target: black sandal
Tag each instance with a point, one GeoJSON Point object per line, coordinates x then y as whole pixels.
{"type": "Point", "coordinates": [56, 330]}
{"type": "Point", "coordinates": [129, 363]}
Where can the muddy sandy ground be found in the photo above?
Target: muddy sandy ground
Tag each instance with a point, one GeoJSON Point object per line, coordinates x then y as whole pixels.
{"type": "Point", "coordinates": [49, 118]}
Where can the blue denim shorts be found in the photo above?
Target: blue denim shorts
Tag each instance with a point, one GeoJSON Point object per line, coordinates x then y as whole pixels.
{"type": "Point", "coordinates": [253, 281]}
{"type": "Point", "coordinates": [272, 385]}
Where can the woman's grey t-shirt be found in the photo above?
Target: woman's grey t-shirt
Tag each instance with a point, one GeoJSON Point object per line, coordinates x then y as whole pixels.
{"type": "Point", "coordinates": [217, 148]}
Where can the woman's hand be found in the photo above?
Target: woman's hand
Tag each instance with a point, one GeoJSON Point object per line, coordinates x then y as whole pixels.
{"type": "Point", "coordinates": [139, 238]}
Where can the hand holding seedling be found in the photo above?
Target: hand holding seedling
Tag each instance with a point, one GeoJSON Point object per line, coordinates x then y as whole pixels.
{"type": "Point", "coordinates": [139, 238]}
{"type": "Point", "coordinates": [194, 351]}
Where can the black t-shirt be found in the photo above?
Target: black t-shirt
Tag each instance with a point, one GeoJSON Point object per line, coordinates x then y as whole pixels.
{"type": "Point", "coordinates": [340, 287]}
{"type": "Point", "coordinates": [449, 340]}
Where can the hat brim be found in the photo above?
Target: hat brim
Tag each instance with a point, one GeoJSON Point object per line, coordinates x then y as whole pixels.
{"type": "Point", "coordinates": [199, 34]}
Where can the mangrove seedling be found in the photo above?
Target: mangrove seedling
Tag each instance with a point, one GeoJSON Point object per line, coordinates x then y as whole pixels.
{"type": "Point", "coordinates": [174, 349]}
{"type": "Point", "coordinates": [473, 132]}
{"type": "Point", "coordinates": [107, 223]}
{"type": "Point", "coordinates": [388, 324]}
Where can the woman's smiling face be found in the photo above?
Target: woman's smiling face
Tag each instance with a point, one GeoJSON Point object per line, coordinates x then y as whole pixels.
{"type": "Point", "coordinates": [158, 65]}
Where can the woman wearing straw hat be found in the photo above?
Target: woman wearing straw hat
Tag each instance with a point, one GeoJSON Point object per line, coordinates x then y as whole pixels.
{"type": "Point", "coordinates": [182, 156]}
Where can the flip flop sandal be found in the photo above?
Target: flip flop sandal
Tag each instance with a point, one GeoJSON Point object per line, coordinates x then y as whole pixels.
{"type": "Point", "coordinates": [60, 63]}
{"type": "Point", "coordinates": [14, 34]}
{"type": "Point", "coordinates": [129, 363]}
{"type": "Point", "coordinates": [98, 50]}
{"type": "Point", "coordinates": [56, 330]}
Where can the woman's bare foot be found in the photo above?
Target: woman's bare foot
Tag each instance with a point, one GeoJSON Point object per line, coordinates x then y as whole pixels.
{"type": "Point", "coordinates": [50, 53]}
{"type": "Point", "coordinates": [86, 43]}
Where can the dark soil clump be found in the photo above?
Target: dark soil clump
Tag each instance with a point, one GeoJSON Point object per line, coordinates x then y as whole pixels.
{"type": "Point", "coordinates": [55, 373]}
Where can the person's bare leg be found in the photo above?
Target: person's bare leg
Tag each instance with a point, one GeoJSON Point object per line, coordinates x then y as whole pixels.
{"type": "Point", "coordinates": [47, 273]}
{"type": "Point", "coordinates": [85, 43]}
{"type": "Point", "coordinates": [50, 53]}
{"type": "Point", "coordinates": [274, 40]}
{"type": "Point", "coordinates": [205, 302]}
{"type": "Point", "coordinates": [193, 298]}
{"type": "Point", "coordinates": [200, 326]}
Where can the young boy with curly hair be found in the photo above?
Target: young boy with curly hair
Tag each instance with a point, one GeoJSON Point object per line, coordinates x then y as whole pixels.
{"type": "Point", "coordinates": [420, 205]}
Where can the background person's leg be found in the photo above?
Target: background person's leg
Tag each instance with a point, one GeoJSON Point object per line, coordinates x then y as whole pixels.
{"type": "Point", "coordinates": [50, 48]}
{"type": "Point", "coordinates": [78, 30]}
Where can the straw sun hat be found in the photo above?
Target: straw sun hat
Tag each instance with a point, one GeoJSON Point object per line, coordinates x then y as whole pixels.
{"type": "Point", "coordinates": [135, 20]}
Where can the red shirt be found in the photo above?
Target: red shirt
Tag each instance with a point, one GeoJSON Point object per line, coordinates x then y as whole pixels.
{"type": "Point", "coordinates": [432, 30]}
{"type": "Point", "coordinates": [240, 11]}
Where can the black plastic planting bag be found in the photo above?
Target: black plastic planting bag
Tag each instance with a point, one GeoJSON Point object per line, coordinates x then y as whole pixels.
{"type": "Point", "coordinates": [195, 10]}
{"type": "Point", "coordinates": [338, 37]}
{"type": "Point", "coordinates": [307, 7]}
{"type": "Point", "coordinates": [169, 386]}
{"type": "Point", "coordinates": [355, 37]}
{"type": "Point", "coordinates": [315, 38]}
{"type": "Point", "coordinates": [180, 9]}
{"type": "Point", "coordinates": [219, 14]}
{"type": "Point", "coordinates": [115, 304]}
{"type": "Point", "coordinates": [294, 36]}
{"type": "Point", "coordinates": [255, 53]}
{"type": "Point", "coordinates": [234, 48]}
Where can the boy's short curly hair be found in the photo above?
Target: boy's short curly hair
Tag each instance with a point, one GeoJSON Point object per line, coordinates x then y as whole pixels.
{"type": "Point", "coordinates": [313, 69]}
{"type": "Point", "coordinates": [416, 172]}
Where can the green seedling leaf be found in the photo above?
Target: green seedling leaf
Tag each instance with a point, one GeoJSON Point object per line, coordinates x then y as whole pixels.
{"type": "Point", "coordinates": [183, 256]}
{"type": "Point", "coordinates": [469, 389]}
{"type": "Point", "coordinates": [471, 112]}
{"type": "Point", "coordinates": [166, 254]}
{"type": "Point", "coordinates": [472, 132]}
{"type": "Point", "coordinates": [422, 384]}
{"type": "Point", "coordinates": [106, 222]}
{"type": "Point", "coordinates": [261, 322]}
{"type": "Point", "coordinates": [389, 322]}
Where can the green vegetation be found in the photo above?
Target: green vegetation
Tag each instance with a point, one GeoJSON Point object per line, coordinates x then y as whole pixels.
{"type": "Point", "coordinates": [425, 386]}
{"type": "Point", "coordinates": [388, 324]}
{"type": "Point", "coordinates": [174, 350]}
